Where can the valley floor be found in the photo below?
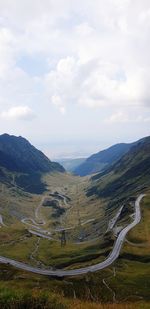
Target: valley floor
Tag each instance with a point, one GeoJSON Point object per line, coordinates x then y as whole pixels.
{"type": "Point", "coordinates": [65, 228]}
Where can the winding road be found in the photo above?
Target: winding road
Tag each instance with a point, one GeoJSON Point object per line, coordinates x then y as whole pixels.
{"type": "Point", "coordinates": [75, 272]}
{"type": "Point", "coordinates": [113, 221]}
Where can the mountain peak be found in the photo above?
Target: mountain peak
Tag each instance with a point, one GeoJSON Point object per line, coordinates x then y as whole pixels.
{"type": "Point", "coordinates": [17, 154]}
{"type": "Point", "coordinates": [101, 160]}
{"type": "Point", "coordinates": [128, 175]}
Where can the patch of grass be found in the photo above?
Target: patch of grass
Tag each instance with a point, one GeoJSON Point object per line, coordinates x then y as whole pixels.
{"type": "Point", "coordinates": [10, 299]}
{"type": "Point", "coordinates": [37, 299]}
{"type": "Point", "coordinates": [31, 183]}
{"type": "Point", "coordinates": [52, 254]}
{"type": "Point", "coordinates": [141, 233]}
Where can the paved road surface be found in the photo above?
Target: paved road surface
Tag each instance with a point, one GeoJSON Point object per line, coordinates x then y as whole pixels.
{"type": "Point", "coordinates": [113, 221]}
{"type": "Point", "coordinates": [40, 234]}
{"type": "Point", "coordinates": [1, 221]}
{"type": "Point", "coordinates": [112, 257]}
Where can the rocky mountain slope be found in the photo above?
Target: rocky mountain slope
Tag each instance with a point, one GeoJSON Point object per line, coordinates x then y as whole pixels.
{"type": "Point", "coordinates": [17, 154]}
{"type": "Point", "coordinates": [22, 164]}
{"type": "Point", "coordinates": [129, 175]}
{"type": "Point", "coordinates": [101, 160]}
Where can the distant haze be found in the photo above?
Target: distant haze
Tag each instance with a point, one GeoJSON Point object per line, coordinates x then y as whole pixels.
{"type": "Point", "coordinates": [69, 150]}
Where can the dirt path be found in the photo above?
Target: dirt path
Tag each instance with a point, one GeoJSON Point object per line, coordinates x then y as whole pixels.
{"type": "Point", "coordinates": [110, 289]}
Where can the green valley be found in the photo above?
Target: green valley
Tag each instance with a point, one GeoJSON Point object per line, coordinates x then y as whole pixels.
{"type": "Point", "coordinates": [75, 223]}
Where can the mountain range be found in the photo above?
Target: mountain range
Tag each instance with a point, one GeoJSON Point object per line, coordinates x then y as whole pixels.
{"type": "Point", "coordinates": [101, 160]}
{"type": "Point", "coordinates": [122, 168]}
{"type": "Point", "coordinates": [127, 176]}
{"type": "Point", "coordinates": [18, 157]}
{"type": "Point", "coordinates": [17, 154]}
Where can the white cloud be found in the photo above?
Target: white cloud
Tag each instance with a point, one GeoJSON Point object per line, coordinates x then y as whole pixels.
{"type": "Point", "coordinates": [56, 100]}
{"type": "Point", "coordinates": [122, 117]}
{"type": "Point", "coordinates": [84, 29]}
{"type": "Point", "coordinates": [98, 84]}
{"type": "Point", "coordinates": [66, 66]}
{"type": "Point", "coordinates": [142, 119]}
{"type": "Point", "coordinates": [18, 113]}
{"type": "Point", "coordinates": [7, 51]}
{"type": "Point", "coordinates": [145, 17]}
{"type": "Point", "coordinates": [107, 35]}
{"type": "Point", "coordinates": [95, 55]}
{"type": "Point", "coordinates": [117, 117]}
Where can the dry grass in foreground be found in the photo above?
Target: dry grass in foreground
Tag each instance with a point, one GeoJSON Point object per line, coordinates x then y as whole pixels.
{"type": "Point", "coordinates": [139, 305]}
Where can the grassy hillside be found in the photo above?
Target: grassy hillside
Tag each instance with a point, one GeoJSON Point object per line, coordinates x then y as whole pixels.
{"type": "Point", "coordinates": [17, 154]}
{"type": "Point", "coordinates": [127, 176]}
{"type": "Point", "coordinates": [124, 284]}
{"type": "Point", "coordinates": [22, 165]}
{"type": "Point", "coordinates": [101, 160]}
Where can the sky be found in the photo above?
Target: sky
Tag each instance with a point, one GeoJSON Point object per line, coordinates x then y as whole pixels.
{"type": "Point", "coordinates": [75, 75]}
